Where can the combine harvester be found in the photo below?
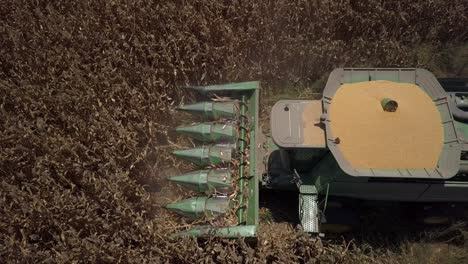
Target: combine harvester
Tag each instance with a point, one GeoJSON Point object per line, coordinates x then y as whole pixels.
{"type": "Point", "coordinates": [396, 135]}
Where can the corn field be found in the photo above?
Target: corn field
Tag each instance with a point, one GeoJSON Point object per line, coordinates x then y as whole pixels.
{"type": "Point", "coordinates": [87, 97]}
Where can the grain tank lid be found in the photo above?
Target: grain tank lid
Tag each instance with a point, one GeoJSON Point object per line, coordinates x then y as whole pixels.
{"type": "Point", "coordinates": [296, 124]}
{"type": "Point", "coordinates": [448, 162]}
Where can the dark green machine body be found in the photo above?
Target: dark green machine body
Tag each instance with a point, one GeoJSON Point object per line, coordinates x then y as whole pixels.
{"type": "Point", "coordinates": [282, 177]}
{"type": "Point", "coordinates": [448, 183]}
{"type": "Point", "coordinates": [321, 170]}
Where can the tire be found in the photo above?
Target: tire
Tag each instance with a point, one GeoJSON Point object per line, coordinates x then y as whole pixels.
{"type": "Point", "coordinates": [339, 220]}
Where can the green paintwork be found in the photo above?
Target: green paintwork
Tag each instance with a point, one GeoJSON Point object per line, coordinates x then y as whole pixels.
{"type": "Point", "coordinates": [200, 206]}
{"type": "Point", "coordinates": [270, 144]}
{"type": "Point", "coordinates": [463, 130]}
{"type": "Point", "coordinates": [227, 232]}
{"type": "Point", "coordinates": [324, 173]}
{"type": "Point", "coordinates": [252, 180]}
{"type": "Point", "coordinates": [206, 180]}
{"type": "Point", "coordinates": [213, 110]}
{"type": "Point", "coordinates": [358, 75]}
{"type": "Point", "coordinates": [210, 132]}
{"type": "Point", "coordinates": [242, 138]}
{"type": "Point", "coordinates": [230, 88]}
{"type": "Point", "coordinates": [206, 155]}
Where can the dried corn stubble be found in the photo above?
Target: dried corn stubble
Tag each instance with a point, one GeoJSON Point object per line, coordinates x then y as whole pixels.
{"type": "Point", "coordinates": [58, 57]}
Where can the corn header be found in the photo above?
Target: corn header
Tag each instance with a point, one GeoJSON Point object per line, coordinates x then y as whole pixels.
{"type": "Point", "coordinates": [227, 156]}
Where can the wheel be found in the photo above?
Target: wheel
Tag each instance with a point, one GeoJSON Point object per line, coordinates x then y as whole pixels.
{"type": "Point", "coordinates": [436, 220]}
{"type": "Point", "coordinates": [435, 215]}
{"type": "Point", "coordinates": [339, 220]}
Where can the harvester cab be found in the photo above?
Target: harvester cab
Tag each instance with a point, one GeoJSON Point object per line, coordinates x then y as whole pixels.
{"type": "Point", "coordinates": [376, 134]}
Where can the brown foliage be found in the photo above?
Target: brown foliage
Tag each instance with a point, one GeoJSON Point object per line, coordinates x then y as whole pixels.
{"type": "Point", "coordinates": [86, 95]}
